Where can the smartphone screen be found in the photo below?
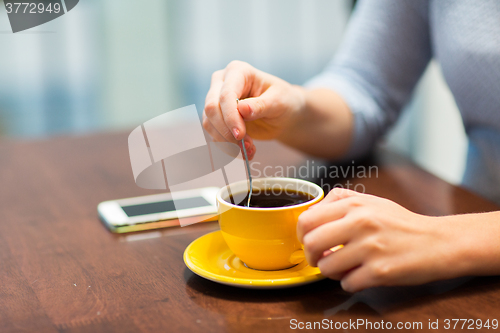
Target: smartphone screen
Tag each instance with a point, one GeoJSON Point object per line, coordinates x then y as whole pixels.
{"type": "Point", "coordinates": [164, 206]}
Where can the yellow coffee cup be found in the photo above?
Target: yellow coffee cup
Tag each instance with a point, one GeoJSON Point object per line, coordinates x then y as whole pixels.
{"type": "Point", "coordinates": [265, 238]}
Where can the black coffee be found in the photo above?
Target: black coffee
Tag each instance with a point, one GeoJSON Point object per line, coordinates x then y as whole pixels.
{"type": "Point", "coordinates": [269, 198]}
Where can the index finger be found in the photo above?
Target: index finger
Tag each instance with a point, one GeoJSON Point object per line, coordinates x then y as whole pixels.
{"type": "Point", "coordinates": [313, 218]}
{"type": "Point", "coordinates": [234, 88]}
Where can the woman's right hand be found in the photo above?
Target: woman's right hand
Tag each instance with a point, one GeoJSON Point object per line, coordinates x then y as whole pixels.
{"type": "Point", "coordinates": [267, 105]}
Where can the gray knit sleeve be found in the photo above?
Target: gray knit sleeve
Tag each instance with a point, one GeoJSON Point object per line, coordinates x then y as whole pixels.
{"type": "Point", "coordinates": [384, 52]}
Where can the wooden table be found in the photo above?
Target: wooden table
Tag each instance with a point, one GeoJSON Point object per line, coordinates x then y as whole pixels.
{"type": "Point", "coordinates": [61, 270]}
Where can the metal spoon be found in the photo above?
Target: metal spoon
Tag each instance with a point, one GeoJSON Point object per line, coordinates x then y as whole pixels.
{"type": "Point", "coordinates": [248, 165]}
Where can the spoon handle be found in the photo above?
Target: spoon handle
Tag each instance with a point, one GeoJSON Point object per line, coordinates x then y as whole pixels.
{"type": "Point", "coordinates": [248, 165]}
{"type": "Point", "coordinates": [248, 171]}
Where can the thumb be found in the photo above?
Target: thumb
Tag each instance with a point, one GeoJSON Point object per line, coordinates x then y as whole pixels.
{"type": "Point", "coordinates": [254, 108]}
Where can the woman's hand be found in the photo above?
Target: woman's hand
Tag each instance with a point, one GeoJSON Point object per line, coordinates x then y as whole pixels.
{"type": "Point", "coordinates": [266, 107]}
{"type": "Point", "coordinates": [384, 243]}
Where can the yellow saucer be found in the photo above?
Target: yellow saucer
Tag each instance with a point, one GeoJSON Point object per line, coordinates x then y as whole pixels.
{"type": "Point", "coordinates": [209, 257]}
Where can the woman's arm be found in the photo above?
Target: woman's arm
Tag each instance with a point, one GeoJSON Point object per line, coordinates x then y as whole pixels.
{"type": "Point", "coordinates": [385, 50]}
{"type": "Point", "coordinates": [324, 128]}
{"type": "Point", "coordinates": [346, 108]}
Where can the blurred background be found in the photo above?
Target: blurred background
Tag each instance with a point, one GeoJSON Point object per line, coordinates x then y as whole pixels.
{"type": "Point", "coordinates": [111, 65]}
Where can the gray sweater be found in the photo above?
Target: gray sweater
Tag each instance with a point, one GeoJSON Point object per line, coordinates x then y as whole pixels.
{"type": "Point", "coordinates": [387, 47]}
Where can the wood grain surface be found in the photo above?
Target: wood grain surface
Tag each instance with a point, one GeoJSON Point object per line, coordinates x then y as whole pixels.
{"type": "Point", "coordinates": [61, 270]}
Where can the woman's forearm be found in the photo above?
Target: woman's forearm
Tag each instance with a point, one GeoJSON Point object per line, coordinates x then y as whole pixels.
{"type": "Point", "coordinates": [323, 127]}
{"type": "Point", "coordinates": [477, 245]}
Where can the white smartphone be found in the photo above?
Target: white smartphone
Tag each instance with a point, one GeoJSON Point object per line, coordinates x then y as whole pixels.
{"type": "Point", "coordinates": [158, 210]}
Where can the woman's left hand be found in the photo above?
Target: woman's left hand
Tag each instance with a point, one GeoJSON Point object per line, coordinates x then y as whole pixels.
{"type": "Point", "coordinates": [384, 243]}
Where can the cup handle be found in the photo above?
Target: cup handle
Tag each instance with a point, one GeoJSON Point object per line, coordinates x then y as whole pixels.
{"type": "Point", "coordinates": [297, 257]}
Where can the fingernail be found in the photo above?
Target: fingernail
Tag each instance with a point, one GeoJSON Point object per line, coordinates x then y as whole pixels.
{"type": "Point", "coordinates": [247, 145]}
{"type": "Point", "coordinates": [345, 286]}
{"type": "Point", "coordinates": [236, 132]}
